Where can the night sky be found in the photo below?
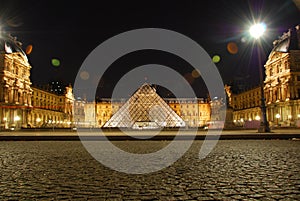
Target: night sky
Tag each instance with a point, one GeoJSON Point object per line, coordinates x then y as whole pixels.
{"type": "Point", "coordinates": [70, 30]}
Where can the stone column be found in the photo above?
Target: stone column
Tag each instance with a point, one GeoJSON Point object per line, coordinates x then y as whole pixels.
{"type": "Point", "coordinates": [24, 117]}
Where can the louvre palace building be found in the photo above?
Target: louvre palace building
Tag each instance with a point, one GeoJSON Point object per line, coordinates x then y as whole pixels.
{"type": "Point", "coordinates": [146, 109]}
{"type": "Point", "coordinates": [24, 105]}
{"type": "Point", "coordinates": [21, 104]}
{"type": "Point", "coordinates": [281, 86]}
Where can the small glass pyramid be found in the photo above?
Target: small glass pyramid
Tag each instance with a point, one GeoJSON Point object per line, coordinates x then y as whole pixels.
{"type": "Point", "coordinates": [145, 109]}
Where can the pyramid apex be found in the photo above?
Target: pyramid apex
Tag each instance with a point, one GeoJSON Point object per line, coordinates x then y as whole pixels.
{"type": "Point", "coordinates": [146, 83]}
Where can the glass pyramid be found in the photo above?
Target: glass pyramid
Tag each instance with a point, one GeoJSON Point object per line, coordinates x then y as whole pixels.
{"type": "Point", "coordinates": [145, 109]}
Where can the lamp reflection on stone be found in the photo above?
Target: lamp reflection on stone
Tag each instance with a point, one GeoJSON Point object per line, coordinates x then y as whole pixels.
{"type": "Point", "coordinates": [277, 116]}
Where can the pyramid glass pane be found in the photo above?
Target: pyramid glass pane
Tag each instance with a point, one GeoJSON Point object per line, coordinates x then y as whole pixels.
{"type": "Point", "coordinates": [145, 109]}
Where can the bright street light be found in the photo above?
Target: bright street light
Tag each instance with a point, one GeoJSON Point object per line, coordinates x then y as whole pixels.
{"type": "Point", "coordinates": [256, 31]}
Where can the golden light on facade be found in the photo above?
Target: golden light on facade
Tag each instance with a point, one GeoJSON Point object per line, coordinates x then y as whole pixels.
{"type": "Point", "coordinates": [17, 118]}
{"type": "Point", "coordinates": [277, 117]}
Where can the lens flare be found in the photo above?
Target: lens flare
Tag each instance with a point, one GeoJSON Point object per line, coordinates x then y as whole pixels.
{"type": "Point", "coordinates": [28, 49]}
{"type": "Point", "coordinates": [55, 62]}
{"type": "Point", "coordinates": [216, 58]}
{"type": "Point", "coordinates": [243, 39]}
{"type": "Point", "coordinates": [195, 73]}
{"type": "Point", "coordinates": [84, 75]}
{"type": "Point", "coordinates": [14, 22]}
{"type": "Point", "coordinates": [189, 78]}
{"type": "Point", "coordinates": [232, 48]}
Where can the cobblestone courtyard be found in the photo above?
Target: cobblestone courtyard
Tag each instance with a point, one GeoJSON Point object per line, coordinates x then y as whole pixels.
{"type": "Point", "coordinates": [234, 170]}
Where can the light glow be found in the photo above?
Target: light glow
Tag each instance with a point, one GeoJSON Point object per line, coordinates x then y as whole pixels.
{"type": "Point", "coordinates": [17, 118]}
{"type": "Point", "coordinates": [257, 30]}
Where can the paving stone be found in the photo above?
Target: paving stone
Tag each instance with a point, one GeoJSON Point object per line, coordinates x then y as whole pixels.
{"type": "Point", "coordinates": [256, 196]}
{"type": "Point", "coordinates": [237, 197]}
{"type": "Point", "coordinates": [205, 198]}
{"type": "Point", "coordinates": [276, 196]}
{"type": "Point", "coordinates": [235, 170]}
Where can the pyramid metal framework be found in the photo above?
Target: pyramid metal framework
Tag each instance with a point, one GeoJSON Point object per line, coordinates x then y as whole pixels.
{"type": "Point", "coordinates": [145, 109]}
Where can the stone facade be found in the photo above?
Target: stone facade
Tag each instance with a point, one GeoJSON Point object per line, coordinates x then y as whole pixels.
{"type": "Point", "coordinates": [50, 109]}
{"type": "Point", "coordinates": [15, 90]}
{"type": "Point", "coordinates": [22, 105]}
{"type": "Point", "coordinates": [195, 112]}
{"type": "Point", "coordinates": [246, 106]}
{"type": "Point", "coordinates": [282, 83]}
{"type": "Point", "coordinates": [281, 86]}
{"type": "Point", "coordinates": [90, 114]}
{"type": "Point", "coordinates": [79, 113]}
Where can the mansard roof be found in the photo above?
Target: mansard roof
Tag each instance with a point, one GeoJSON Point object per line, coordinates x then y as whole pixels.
{"type": "Point", "coordinates": [9, 44]}
{"type": "Point", "coordinates": [289, 40]}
